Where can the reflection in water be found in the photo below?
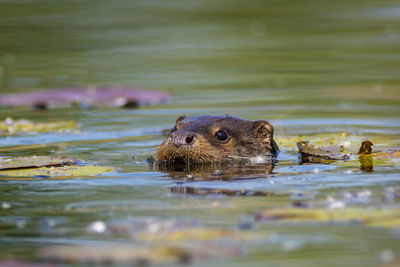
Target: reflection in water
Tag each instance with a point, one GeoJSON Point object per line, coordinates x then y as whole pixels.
{"type": "Point", "coordinates": [365, 156]}
{"type": "Point", "coordinates": [303, 159]}
{"type": "Point", "coordinates": [366, 163]}
{"type": "Point", "coordinates": [220, 191]}
{"type": "Point", "coordinates": [216, 172]}
{"type": "Point", "coordinates": [231, 171]}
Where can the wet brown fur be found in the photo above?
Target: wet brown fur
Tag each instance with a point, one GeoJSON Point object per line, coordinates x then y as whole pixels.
{"type": "Point", "coordinates": [246, 139]}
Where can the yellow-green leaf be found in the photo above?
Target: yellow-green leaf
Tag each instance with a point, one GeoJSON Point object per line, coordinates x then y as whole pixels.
{"type": "Point", "coordinates": [388, 218]}
{"type": "Point", "coordinates": [34, 161]}
{"type": "Point", "coordinates": [117, 253]}
{"type": "Point", "coordinates": [10, 126]}
{"type": "Point", "coordinates": [195, 234]}
{"type": "Point", "coordinates": [54, 172]}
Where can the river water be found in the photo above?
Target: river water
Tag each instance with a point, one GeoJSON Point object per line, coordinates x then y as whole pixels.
{"type": "Point", "coordinates": [309, 67]}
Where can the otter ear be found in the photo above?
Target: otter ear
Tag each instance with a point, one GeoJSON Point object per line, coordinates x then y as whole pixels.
{"type": "Point", "coordinates": [181, 118]}
{"type": "Point", "coordinates": [263, 130]}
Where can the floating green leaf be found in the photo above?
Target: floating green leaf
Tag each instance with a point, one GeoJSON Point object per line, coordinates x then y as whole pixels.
{"type": "Point", "coordinates": [388, 218]}
{"type": "Point", "coordinates": [116, 254]}
{"type": "Point", "coordinates": [323, 139]}
{"type": "Point", "coordinates": [348, 143]}
{"type": "Point", "coordinates": [47, 166]}
{"type": "Point", "coordinates": [54, 172]}
{"type": "Point", "coordinates": [35, 161]}
{"type": "Point", "coordinates": [308, 150]}
{"type": "Point", "coordinates": [10, 126]}
{"type": "Point", "coordinates": [194, 234]}
{"type": "Point", "coordinates": [367, 157]}
{"type": "Point", "coordinates": [159, 247]}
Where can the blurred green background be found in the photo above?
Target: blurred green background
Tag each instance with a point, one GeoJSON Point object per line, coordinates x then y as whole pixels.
{"type": "Point", "coordinates": [184, 45]}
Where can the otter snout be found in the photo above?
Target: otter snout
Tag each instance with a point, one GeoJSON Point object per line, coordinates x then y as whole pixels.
{"type": "Point", "coordinates": [182, 138]}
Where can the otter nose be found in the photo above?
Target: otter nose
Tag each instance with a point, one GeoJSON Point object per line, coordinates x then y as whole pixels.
{"type": "Point", "coordinates": [182, 138]}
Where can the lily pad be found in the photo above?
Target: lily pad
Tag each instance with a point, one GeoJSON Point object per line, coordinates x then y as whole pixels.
{"type": "Point", "coordinates": [159, 247]}
{"type": "Point", "coordinates": [47, 166]}
{"type": "Point", "coordinates": [10, 126]}
{"type": "Point", "coordinates": [63, 171]}
{"type": "Point", "coordinates": [389, 153]}
{"type": "Point", "coordinates": [308, 150]}
{"type": "Point", "coordinates": [127, 254]}
{"type": "Point", "coordinates": [35, 161]}
{"type": "Point", "coordinates": [366, 156]}
{"type": "Point", "coordinates": [342, 139]}
{"type": "Point", "coordinates": [387, 218]}
{"type": "Point", "coordinates": [195, 234]}
{"type": "Point", "coordinates": [86, 97]}
{"type": "Point", "coordinates": [115, 254]}
{"type": "Point", "coordinates": [23, 263]}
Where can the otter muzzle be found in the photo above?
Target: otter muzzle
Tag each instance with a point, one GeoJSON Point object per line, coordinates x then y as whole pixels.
{"type": "Point", "coordinates": [182, 138]}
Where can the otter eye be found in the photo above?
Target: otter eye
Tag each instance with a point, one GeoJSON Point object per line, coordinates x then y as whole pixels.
{"type": "Point", "coordinates": [222, 135]}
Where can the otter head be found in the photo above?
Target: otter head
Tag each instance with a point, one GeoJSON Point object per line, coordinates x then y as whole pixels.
{"type": "Point", "coordinates": [216, 139]}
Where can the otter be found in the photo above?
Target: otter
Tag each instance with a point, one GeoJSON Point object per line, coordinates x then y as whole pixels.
{"type": "Point", "coordinates": [208, 139]}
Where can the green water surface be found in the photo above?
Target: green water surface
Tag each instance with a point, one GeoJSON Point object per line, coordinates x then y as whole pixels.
{"type": "Point", "coordinates": [309, 67]}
